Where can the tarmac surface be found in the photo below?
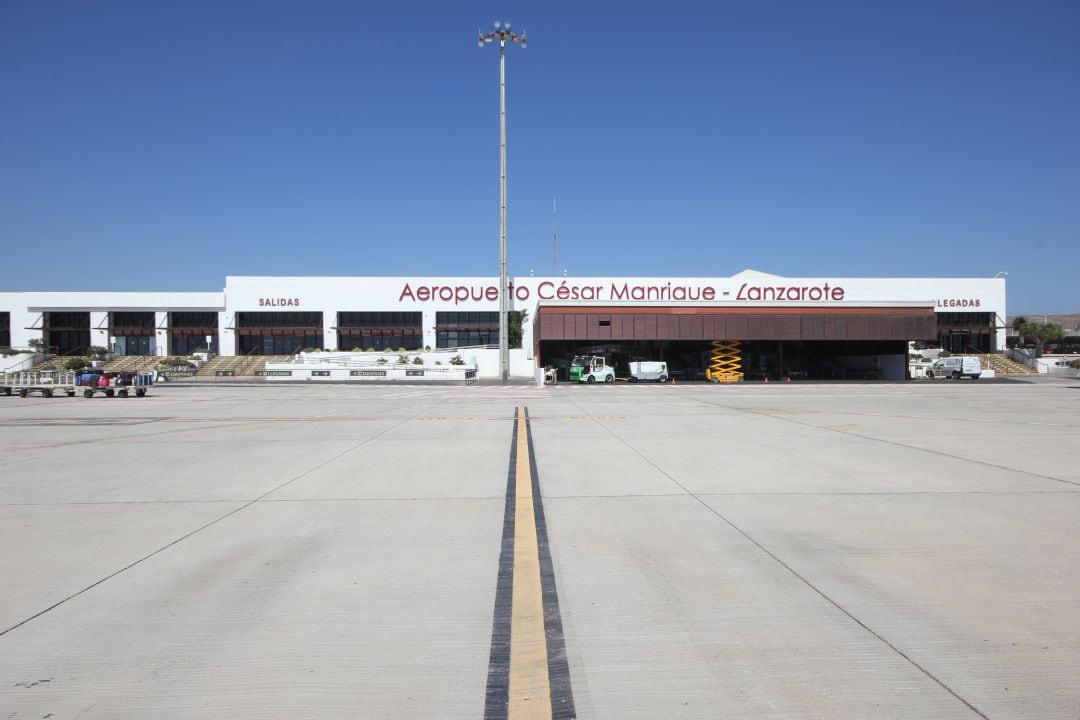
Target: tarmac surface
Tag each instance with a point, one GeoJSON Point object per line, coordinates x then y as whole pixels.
{"type": "Point", "coordinates": [784, 550]}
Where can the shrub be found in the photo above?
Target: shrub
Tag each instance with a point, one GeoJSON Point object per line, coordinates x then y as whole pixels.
{"type": "Point", "coordinates": [5, 351]}
{"type": "Point", "coordinates": [97, 352]}
{"type": "Point", "coordinates": [1075, 364]}
{"type": "Point", "coordinates": [456, 360]}
{"type": "Point", "coordinates": [76, 363]}
{"type": "Point", "coordinates": [381, 361]}
{"type": "Point", "coordinates": [418, 360]}
{"type": "Point", "coordinates": [944, 353]}
{"type": "Point", "coordinates": [37, 344]}
{"type": "Point", "coordinates": [402, 360]}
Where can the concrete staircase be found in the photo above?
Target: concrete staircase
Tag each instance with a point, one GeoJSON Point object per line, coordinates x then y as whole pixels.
{"type": "Point", "coordinates": [143, 363]}
{"type": "Point", "coordinates": [1003, 365]}
{"type": "Point", "coordinates": [240, 365]}
{"type": "Point", "coordinates": [54, 363]}
{"type": "Point", "coordinates": [131, 363]}
{"type": "Point", "coordinates": [228, 364]}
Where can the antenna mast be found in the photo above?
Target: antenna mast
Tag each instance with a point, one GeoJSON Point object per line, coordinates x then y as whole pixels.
{"type": "Point", "coordinates": [554, 239]}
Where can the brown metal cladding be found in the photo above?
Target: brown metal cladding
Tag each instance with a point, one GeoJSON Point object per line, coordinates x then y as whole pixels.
{"type": "Point", "coordinates": [726, 323]}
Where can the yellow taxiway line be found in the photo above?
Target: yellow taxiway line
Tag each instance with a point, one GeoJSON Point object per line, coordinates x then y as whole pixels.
{"type": "Point", "coordinates": [530, 690]}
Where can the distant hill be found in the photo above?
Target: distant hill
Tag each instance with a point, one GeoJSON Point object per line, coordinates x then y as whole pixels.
{"type": "Point", "coordinates": [1070, 322]}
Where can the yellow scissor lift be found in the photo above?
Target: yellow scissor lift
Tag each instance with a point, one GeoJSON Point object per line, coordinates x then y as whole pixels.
{"type": "Point", "coordinates": [725, 362]}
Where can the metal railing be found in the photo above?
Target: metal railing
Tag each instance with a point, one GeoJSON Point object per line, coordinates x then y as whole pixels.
{"type": "Point", "coordinates": [34, 359]}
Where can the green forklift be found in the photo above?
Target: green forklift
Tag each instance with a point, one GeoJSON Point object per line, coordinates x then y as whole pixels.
{"type": "Point", "coordinates": [591, 369]}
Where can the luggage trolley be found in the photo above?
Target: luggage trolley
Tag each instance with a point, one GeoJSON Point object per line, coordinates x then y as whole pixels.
{"type": "Point", "coordinates": [38, 381]}
{"type": "Point", "coordinates": [121, 385]}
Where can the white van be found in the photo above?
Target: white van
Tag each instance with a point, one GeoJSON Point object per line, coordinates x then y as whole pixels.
{"type": "Point", "coordinates": [956, 368]}
{"type": "Point", "coordinates": [648, 372]}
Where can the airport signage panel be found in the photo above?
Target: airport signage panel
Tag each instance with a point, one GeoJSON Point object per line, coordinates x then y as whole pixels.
{"type": "Point", "coordinates": [482, 293]}
{"type": "Point", "coordinates": [622, 291]}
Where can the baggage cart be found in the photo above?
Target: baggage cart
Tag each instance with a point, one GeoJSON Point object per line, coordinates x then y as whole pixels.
{"type": "Point", "coordinates": [38, 381]}
{"type": "Point", "coordinates": [122, 385]}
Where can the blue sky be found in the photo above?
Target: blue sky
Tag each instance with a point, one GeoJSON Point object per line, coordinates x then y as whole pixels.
{"type": "Point", "coordinates": [812, 139]}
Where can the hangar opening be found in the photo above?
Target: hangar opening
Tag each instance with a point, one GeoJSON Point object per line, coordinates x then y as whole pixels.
{"type": "Point", "coordinates": [807, 343]}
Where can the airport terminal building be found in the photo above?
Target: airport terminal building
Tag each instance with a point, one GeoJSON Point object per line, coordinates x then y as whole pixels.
{"type": "Point", "coordinates": [810, 327]}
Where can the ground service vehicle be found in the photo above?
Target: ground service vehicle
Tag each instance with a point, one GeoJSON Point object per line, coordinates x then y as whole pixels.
{"type": "Point", "coordinates": [653, 371]}
{"type": "Point", "coordinates": [956, 368]}
{"type": "Point", "coordinates": [591, 369]}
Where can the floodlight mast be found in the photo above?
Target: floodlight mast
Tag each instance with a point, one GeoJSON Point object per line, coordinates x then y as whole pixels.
{"type": "Point", "coordinates": [502, 33]}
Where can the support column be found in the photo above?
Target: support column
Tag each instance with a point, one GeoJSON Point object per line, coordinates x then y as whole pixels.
{"type": "Point", "coordinates": [161, 334]}
{"type": "Point", "coordinates": [226, 334]}
{"type": "Point", "coordinates": [430, 338]}
{"type": "Point", "coordinates": [330, 333]}
{"type": "Point", "coordinates": [99, 330]}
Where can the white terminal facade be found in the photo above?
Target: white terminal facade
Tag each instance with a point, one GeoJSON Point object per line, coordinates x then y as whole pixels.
{"type": "Point", "coordinates": [815, 326]}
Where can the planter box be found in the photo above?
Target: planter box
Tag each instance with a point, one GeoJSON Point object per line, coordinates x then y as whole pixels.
{"type": "Point", "coordinates": [315, 372]}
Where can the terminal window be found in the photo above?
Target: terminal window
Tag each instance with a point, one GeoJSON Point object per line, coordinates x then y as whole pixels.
{"type": "Point", "coordinates": [466, 329]}
{"type": "Point", "coordinates": [278, 333]}
{"type": "Point", "coordinates": [380, 330]}
{"type": "Point", "coordinates": [67, 333]}
{"type": "Point", "coordinates": [188, 332]}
